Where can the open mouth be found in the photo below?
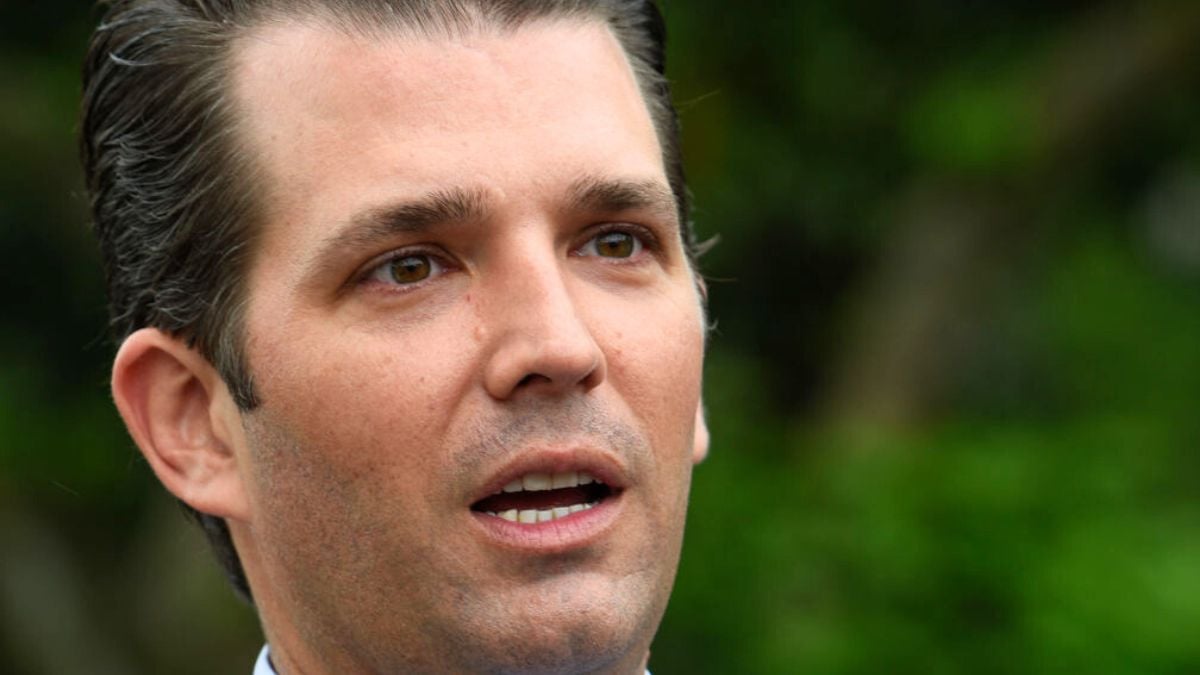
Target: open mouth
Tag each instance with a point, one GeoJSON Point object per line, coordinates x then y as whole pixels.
{"type": "Point", "coordinates": [543, 497]}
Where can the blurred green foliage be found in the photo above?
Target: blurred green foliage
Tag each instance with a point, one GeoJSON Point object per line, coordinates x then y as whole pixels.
{"type": "Point", "coordinates": [951, 385]}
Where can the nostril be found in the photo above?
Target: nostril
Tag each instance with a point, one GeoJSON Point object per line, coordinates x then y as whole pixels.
{"type": "Point", "coordinates": [531, 378]}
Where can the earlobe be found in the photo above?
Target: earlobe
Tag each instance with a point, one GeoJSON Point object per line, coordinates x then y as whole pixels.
{"type": "Point", "coordinates": [701, 438]}
{"type": "Point", "coordinates": [176, 407]}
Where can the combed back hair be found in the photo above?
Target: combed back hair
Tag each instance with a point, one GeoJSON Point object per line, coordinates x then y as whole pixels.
{"type": "Point", "coordinates": [174, 193]}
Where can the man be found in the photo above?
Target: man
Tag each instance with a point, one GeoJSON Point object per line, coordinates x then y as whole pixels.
{"type": "Point", "coordinates": [408, 316]}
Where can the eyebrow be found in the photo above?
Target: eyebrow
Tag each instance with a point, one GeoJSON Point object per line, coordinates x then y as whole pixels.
{"type": "Point", "coordinates": [420, 215]}
{"type": "Point", "coordinates": [595, 194]}
{"type": "Point", "coordinates": [442, 207]}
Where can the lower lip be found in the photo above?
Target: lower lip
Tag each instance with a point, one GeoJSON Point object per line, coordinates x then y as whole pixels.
{"type": "Point", "coordinates": [574, 531]}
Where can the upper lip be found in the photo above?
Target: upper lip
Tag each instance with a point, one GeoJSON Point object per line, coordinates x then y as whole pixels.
{"type": "Point", "coordinates": [604, 466]}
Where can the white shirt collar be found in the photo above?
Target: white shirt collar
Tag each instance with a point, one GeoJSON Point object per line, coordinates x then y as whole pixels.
{"type": "Point", "coordinates": [263, 665]}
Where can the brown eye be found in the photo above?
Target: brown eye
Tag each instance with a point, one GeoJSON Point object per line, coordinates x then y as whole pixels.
{"type": "Point", "coordinates": [407, 270]}
{"type": "Point", "coordinates": [410, 269]}
{"type": "Point", "coordinates": [616, 245]}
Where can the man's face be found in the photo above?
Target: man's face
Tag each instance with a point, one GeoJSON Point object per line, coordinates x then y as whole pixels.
{"type": "Point", "coordinates": [470, 277]}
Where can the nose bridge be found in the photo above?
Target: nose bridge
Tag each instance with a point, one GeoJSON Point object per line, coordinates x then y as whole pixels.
{"type": "Point", "coordinates": [542, 290]}
{"type": "Point", "coordinates": [541, 338]}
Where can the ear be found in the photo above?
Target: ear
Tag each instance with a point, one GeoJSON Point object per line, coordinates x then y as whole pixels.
{"type": "Point", "coordinates": [183, 419]}
{"type": "Point", "coordinates": [701, 437]}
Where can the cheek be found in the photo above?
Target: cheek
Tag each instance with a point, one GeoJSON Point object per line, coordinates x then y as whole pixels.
{"type": "Point", "coordinates": [654, 361]}
{"type": "Point", "coordinates": [367, 402]}
{"type": "Point", "coordinates": [350, 433]}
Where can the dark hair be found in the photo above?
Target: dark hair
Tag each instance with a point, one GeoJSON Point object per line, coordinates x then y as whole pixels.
{"type": "Point", "coordinates": [173, 194]}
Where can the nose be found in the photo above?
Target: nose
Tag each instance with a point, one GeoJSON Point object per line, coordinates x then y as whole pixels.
{"type": "Point", "coordinates": [540, 342]}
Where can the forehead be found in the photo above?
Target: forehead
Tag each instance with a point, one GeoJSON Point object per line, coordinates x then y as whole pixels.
{"type": "Point", "coordinates": [335, 120]}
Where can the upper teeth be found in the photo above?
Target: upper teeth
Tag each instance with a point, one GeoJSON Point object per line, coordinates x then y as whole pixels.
{"type": "Point", "coordinates": [544, 481]}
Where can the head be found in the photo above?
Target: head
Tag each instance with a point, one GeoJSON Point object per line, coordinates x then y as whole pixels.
{"type": "Point", "coordinates": [373, 263]}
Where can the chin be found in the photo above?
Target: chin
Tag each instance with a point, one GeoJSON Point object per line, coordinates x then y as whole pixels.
{"type": "Point", "coordinates": [565, 630]}
{"type": "Point", "coordinates": [586, 646]}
